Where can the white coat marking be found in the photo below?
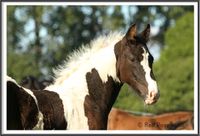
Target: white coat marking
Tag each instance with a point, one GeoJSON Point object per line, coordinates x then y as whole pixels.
{"type": "Point", "coordinates": [152, 85]}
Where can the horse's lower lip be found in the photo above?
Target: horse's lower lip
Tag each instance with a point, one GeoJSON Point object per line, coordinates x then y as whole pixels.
{"type": "Point", "coordinates": [150, 101]}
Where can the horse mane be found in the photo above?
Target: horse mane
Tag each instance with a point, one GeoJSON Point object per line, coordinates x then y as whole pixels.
{"type": "Point", "coordinates": [83, 54]}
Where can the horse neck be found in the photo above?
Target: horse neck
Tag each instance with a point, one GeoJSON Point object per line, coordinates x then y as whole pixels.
{"type": "Point", "coordinates": [103, 61]}
{"type": "Point", "coordinates": [93, 96]}
{"type": "Point", "coordinates": [99, 55]}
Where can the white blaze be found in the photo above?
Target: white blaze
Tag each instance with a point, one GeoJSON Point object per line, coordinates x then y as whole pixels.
{"type": "Point", "coordinates": [152, 85]}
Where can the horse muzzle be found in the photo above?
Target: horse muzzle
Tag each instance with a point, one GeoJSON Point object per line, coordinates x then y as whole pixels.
{"type": "Point", "coordinates": [152, 98]}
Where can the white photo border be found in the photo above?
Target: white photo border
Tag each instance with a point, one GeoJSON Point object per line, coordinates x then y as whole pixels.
{"type": "Point", "coordinates": [4, 69]}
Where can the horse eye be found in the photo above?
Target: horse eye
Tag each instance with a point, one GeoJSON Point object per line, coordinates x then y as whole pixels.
{"type": "Point", "coordinates": [132, 41]}
{"type": "Point", "coordinates": [133, 59]}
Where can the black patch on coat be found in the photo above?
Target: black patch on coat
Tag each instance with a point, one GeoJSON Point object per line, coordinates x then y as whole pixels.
{"type": "Point", "coordinates": [52, 109]}
{"type": "Point", "coordinates": [22, 110]}
{"type": "Point", "coordinates": [101, 97]}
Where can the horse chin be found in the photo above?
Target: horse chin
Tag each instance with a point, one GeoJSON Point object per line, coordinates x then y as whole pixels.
{"type": "Point", "coordinates": [150, 101]}
{"type": "Point", "coordinates": [147, 99]}
{"type": "Point", "coordinates": [141, 92]}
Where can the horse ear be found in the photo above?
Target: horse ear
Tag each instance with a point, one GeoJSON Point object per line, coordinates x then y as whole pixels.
{"type": "Point", "coordinates": [145, 34]}
{"type": "Point", "coordinates": [131, 33]}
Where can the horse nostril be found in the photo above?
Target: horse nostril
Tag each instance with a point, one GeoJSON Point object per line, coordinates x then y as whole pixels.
{"type": "Point", "coordinates": [152, 97]}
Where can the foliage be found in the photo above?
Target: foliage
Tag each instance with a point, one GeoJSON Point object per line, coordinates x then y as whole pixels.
{"type": "Point", "coordinates": [23, 63]}
{"type": "Point", "coordinates": [50, 33]}
{"type": "Point", "coordinates": [162, 16]}
{"type": "Point", "coordinates": [174, 71]}
{"type": "Point", "coordinates": [177, 64]}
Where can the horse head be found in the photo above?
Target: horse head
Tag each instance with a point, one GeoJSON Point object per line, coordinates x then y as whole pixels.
{"type": "Point", "coordinates": [134, 64]}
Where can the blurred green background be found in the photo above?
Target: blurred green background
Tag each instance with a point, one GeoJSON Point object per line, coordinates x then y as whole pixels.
{"type": "Point", "coordinates": [39, 38]}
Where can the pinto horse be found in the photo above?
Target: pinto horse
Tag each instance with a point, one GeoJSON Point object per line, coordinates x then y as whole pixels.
{"type": "Point", "coordinates": [122, 120]}
{"type": "Point", "coordinates": [87, 85]}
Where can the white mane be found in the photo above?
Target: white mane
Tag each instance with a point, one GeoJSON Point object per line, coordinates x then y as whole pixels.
{"type": "Point", "coordinates": [82, 56]}
{"type": "Point", "coordinates": [70, 78]}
